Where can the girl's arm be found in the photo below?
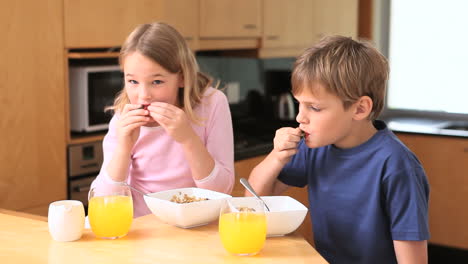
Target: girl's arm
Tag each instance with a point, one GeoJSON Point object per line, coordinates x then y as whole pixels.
{"type": "Point", "coordinates": [212, 163]}
{"type": "Point", "coordinates": [126, 130]}
{"type": "Point", "coordinates": [200, 160]}
{"type": "Point", "coordinates": [109, 147]}
{"type": "Point", "coordinates": [211, 158]}
{"type": "Point", "coordinates": [414, 252]}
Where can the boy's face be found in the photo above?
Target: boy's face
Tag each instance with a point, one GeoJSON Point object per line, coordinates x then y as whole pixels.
{"type": "Point", "coordinates": [323, 118]}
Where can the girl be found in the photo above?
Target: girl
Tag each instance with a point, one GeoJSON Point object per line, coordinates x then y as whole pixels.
{"type": "Point", "coordinates": [171, 129]}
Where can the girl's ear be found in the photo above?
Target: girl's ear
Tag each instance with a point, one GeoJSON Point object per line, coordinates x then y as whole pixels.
{"type": "Point", "coordinates": [363, 108]}
{"type": "Point", "coordinates": [181, 80]}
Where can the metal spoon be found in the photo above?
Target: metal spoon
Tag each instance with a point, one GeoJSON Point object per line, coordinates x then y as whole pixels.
{"type": "Point", "coordinates": [246, 184]}
{"type": "Point", "coordinates": [135, 189]}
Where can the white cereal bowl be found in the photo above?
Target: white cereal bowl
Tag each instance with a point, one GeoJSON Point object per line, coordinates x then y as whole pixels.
{"type": "Point", "coordinates": [285, 216]}
{"type": "Point", "coordinates": [186, 215]}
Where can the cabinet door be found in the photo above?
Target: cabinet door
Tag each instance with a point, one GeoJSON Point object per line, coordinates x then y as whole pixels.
{"type": "Point", "coordinates": [32, 103]}
{"type": "Point", "coordinates": [230, 19]}
{"type": "Point", "coordinates": [242, 170]}
{"type": "Point", "coordinates": [335, 17]}
{"type": "Point", "coordinates": [106, 23]}
{"type": "Point", "coordinates": [287, 23]}
{"type": "Point", "coordinates": [182, 15]}
{"type": "Point", "coordinates": [445, 160]}
{"type": "Point", "coordinates": [291, 26]}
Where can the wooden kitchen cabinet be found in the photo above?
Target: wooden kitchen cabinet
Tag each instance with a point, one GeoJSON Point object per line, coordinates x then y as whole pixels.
{"type": "Point", "coordinates": [291, 26]}
{"type": "Point", "coordinates": [445, 160]}
{"type": "Point", "coordinates": [106, 23]}
{"type": "Point", "coordinates": [227, 24]}
{"type": "Point", "coordinates": [335, 17]}
{"type": "Point", "coordinates": [183, 15]}
{"type": "Point", "coordinates": [287, 27]}
{"type": "Point", "coordinates": [242, 170]}
{"type": "Point", "coordinates": [32, 123]}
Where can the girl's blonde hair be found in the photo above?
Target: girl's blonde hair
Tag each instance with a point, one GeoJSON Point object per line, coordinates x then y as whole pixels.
{"type": "Point", "coordinates": [164, 45]}
{"type": "Point", "coordinates": [346, 68]}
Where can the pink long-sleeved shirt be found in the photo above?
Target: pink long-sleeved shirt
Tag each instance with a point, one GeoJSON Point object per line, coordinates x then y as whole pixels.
{"type": "Point", "coordinates": [159, 163]}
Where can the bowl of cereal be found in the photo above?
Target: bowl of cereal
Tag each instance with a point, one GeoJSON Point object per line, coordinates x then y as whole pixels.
{"type": "Point", "coordinates": [186, 207]}
{"type": "Point", "coordinates": [286, 214]}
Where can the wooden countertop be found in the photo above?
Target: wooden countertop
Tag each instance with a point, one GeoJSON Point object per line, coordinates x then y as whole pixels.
{"type": "Point", "coordinates": [25, 239]}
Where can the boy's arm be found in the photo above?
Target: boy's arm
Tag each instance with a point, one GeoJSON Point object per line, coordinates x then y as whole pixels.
{"type": "Point", "coordinates": [410, 251]}
{"type": "Point", "coordinates": [263, 177]}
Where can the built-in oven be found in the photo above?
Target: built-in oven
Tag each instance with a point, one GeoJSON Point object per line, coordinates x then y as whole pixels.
{"type": "Point", "coordinates": [84, 163]}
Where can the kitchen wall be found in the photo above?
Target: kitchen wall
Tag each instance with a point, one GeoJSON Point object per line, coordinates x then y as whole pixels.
{"type": "Point", "coordinates": [248, 72]}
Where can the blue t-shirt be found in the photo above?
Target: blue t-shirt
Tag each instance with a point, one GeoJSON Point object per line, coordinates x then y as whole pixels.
{"type": "Point", "coordinates": [362, 198]}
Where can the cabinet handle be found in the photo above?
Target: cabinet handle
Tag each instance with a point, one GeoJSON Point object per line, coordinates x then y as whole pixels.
{"type": "Point", "coordinates": [81, 188]}
{"type": "Point", "coordinates": [465, 150]}
{"type": "Point", "coordinates": [250, 26]}
{"type": "Point", "coordinates": [188, 38]}
{"type": "Point", "coordinates": [91, 165]}
{"type": "Point", "coordinates": [272, 37]}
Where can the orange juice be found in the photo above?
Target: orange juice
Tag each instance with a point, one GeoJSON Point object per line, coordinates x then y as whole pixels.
{"type": "Point", "coordinates": [242, 233]}
{"type": "Point", "coordinates": [110, 216]}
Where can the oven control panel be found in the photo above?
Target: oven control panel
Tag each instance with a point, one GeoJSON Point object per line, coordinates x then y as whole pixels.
{"type": "Point", "coordinates": [84, 158]}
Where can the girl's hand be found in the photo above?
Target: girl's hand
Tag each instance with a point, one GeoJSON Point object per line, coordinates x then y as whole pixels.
{"type": "Point", "coordinates": [131, 119]}
{"type": "Point", "coordinates": [285, 143]}
{"type": "Point", "coordinates": [173, 120]}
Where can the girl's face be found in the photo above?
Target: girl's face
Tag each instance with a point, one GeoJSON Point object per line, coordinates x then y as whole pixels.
{"type": "Point", "coordinates": [323, 118]}
{"type": "Point", "coordinates": [146, 81]}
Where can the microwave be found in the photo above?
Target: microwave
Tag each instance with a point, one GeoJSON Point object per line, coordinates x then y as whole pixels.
{"type": "Point", "coordinates": [92, 88]}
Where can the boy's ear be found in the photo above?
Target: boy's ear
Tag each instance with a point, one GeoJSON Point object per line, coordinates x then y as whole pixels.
{"type": "Point", "coordinates": [363, 108]}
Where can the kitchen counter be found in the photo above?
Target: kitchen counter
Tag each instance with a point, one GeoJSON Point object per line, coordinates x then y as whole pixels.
{"type": "Point", "coordinates": [428, 126]}
{"type": "Point", "coordinates": [25, 239]}
{"type": "Point", "coordinates": [254, 136]}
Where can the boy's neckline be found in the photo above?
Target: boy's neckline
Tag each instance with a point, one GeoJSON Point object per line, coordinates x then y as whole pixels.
{"type": "Point", "coordinates": [379, 126]}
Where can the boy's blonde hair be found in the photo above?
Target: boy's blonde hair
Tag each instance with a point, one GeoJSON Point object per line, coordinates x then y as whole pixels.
{"type": "Point", "coordinates": [164, 45]}
{"type": "Point", "coordinates": [346, 68]}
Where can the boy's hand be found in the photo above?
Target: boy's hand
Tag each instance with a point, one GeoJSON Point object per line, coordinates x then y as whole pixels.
{"type": "Point", "coordinates": [285, 143]}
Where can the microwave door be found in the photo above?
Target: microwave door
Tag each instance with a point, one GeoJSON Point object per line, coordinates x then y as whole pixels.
{"type": "Point", "coordinates": [92, 89]}
{"type": "Point", "coordinates": [102, 90]}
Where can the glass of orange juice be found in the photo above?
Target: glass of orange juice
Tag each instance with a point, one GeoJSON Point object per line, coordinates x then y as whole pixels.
{"type": "Point", "coordinates": [242, 225]}
{"type": "Point", "coordinates": [110, 211]}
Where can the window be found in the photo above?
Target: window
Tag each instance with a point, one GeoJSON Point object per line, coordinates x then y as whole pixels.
{"type": "Point", "coordinates": [428, 56]}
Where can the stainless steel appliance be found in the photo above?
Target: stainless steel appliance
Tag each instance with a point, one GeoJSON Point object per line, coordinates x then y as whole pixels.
{"type": "Point", "coordinates": [92, 88]}
{"type": "Point", "coordinates": [84, 163]}
{"type": "Point", "coordinates": [286, 109]}
{"type": "Point", "coordinates": [278, 93]}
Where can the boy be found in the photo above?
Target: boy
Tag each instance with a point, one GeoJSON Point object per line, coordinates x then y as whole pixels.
{"type": "Point", "coordinates": [368, 193]}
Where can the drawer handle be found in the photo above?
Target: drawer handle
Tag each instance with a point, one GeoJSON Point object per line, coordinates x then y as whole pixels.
{"type": "Point", "coordinates": [272, 37]}
{"type": "Point", "coordinates": [91, 165]}
{"type": "Point", "coordinates": [81, 188]}
{"type": "Point", "coordinates": [250, 26]}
